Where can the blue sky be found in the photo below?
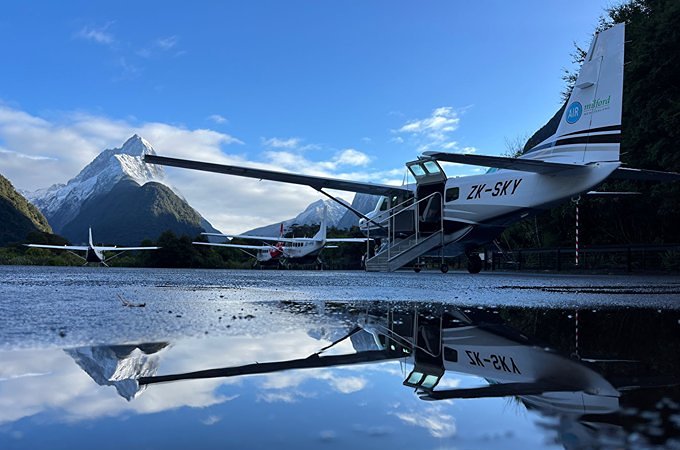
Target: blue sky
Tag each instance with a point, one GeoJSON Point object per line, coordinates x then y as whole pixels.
{"type": "Point", "coordinates": [349, 89]}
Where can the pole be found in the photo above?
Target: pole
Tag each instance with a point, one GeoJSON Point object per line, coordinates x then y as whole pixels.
{"type": "Point", "coordinates": [576, 234]}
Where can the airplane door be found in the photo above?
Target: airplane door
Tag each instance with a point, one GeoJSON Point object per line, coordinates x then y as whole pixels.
{"type": "Point", "coordinates": [430, 178]}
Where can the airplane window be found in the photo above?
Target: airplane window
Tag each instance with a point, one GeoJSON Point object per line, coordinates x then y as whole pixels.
{"type": "Point", "coordinates": [431, 167]}
{"type": "Point", "coordinates": [450, 354]}
{"type": "Point", "coordinates": [415, 378]}
{"type": "Point", "coordinates": [430, 381]}
{"type": "Point", "coordinates": [383, 206]}
{"type": "Point", "coordinates": [417, 170]}
{"type": "Point", "coordinates": [452, 194]}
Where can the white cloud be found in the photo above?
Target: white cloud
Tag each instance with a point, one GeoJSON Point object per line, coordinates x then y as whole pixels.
{"type": "Point", "coordinates": [433, 132]}
{"type": "Point", "coordinates": [295, 161]}
{"type": "Point", "coordinates": [351, 157]}
{"type": "Point", "coordinates": [37, 152]}
{"type": "Point", "coordinates": [166, 43]}
{"type": "Point", "coordinates": [98, 35]}
{"type": "Point", "coordinates": [218, 118]}
{"type": "Point", "coordinates": [274, 142]}
{"type": "Point", "coordinates": [431, 418]}
{"type": "Point", "coordinates": [159, 46]}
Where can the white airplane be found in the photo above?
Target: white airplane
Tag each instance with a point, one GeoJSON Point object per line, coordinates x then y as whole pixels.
{"type": "Point", "coordinates": [285, 250]}
{"type": "Point", "coordinates": [457, 215]}
{"type": "Point", "coordinates": [438, 342]}
{"type": "Point", "coordinates": [93, 253]}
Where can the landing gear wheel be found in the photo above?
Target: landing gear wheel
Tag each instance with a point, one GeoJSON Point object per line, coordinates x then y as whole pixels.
{"type": "Point", "coordinates": [474, 263]}
{"type": "Point", "coordinates": [444, 268]}
{"type": "Point", "coordinates": [417, 268]}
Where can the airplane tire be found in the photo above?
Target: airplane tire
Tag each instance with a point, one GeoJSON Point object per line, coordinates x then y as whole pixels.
{"type": "Point", "coordinates": [417, 268]}
{"type": "Point", "coordinates": [444, 268]}
{"type": "Point", "coordinates": [474, 263]}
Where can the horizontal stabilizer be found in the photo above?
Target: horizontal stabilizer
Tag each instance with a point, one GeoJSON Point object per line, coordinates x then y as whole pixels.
{"type": "Point", "coordinates": [502, 162]}
{"type": "Point", "coordinates": [626, 173]}
{"type": "Point", "coordinates": [284, 177]}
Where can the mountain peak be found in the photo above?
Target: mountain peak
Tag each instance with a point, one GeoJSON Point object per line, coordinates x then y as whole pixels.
{"type": "Point", "coordinates": [104, 172]}
{"type": "Point", "coordinates": [135, 146]}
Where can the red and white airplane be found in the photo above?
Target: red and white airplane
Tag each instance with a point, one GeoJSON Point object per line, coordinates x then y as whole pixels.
{"type": "Point", "coordinates": [283, 250]}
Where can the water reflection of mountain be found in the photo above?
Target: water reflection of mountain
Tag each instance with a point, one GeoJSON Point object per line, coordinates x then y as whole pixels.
{"type": "Point", "coordinates": [598, 377]}
{"type": "Point", "coordinates": [119, 365]}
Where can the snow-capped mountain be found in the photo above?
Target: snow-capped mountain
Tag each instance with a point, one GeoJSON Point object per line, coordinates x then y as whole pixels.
{"type": "Point", "coordinates": [122, 198]}
{"type": "Point", "coordinates": [363, 203]}
{"type": "Point", "coordinates": [310, 216]}
{"type": "Point", "coordinates": [119, 365]}
{"type": "Point", "coordinates": [60, 203]}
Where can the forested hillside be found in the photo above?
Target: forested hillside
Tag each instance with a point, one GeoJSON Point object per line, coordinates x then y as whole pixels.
{"type": "Point", "coordinates": [651, 132]}
{"type": "Point", "coordinates": [18, 217]}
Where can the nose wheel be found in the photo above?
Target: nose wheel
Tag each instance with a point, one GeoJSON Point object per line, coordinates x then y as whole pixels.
{"type": "Point", "coordinates": [444, 268]}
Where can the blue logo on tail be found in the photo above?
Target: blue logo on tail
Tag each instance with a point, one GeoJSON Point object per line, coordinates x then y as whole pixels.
{"type": "Point", "coordinates": [574, 112]}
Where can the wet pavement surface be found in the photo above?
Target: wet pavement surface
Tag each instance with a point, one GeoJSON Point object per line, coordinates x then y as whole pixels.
{"type": "Point", "coordinates": [255, 359]}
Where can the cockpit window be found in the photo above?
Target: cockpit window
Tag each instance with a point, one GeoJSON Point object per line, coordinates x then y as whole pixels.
{"type": "Point", "coordinates": [417, 170]}
{"type": "Point", "coordinates": [431, 167]}
{"type": "Point", "coordinates": [430, 381]}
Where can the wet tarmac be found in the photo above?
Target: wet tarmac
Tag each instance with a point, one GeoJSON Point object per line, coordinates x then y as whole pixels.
{"type": "Point", "coordinates": [254, 359]}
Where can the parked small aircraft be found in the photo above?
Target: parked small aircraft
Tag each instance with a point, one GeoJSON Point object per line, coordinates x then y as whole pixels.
{"type": "Point", "coordinates": [457, 215]}
{"type": "Point", "coordinates": [437, 342]}
{"type": "Point", "coordinates": [285, 250]}
{"type": "Point", "coordinates": [93, 253]}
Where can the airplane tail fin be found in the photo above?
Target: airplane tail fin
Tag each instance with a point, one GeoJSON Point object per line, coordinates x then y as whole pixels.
{"type": "Point", "coordinates": [90, 241]}
{"type": "Point", "coordinates": [590, 127]}
{"type": "Point", "coordinates": [321, 234]}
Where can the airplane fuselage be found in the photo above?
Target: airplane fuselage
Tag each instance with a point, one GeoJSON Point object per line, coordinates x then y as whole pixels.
{"type": "Point", "coordinates": [477, 208]}
{"type": "Point", "coordinates": [300, 251]}
{"type": "Point", "coordinates": [93, 255]}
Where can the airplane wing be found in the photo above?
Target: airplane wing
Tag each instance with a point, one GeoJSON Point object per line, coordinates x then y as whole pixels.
{"type": "Point", "coordinates": [252, 247]}
{"type": "Point", "coordinates": [497, 390]}
{"type": "Point", "coordinates": [502, 162]}
{"type": "Point", "coordinates": [228, 236]}
{"type": "Point", "coordinates": [123, 249]}
{"type": "Point", "coordinates": [546, 167]}
{"type": "Point", "coordinates": [284, 177]}
{"type": "Point", "coordinates": [257, 238]}
{"type": "Point", "coordinates": [626, 173]}
{"type": "Point", "coordinates": [59, 247]}
{"type": "Point", "coordinates": [348, 240]}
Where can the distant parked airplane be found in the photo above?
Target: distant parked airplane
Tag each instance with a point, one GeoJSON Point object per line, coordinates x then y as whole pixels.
{"type": "Point", "coordinates": [93, 253]}
{"type": "Point", "coordinates": [285, 250]}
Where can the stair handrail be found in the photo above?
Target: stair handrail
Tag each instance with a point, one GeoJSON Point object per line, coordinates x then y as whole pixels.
{"type": "Point", "coordinates": [390, 227]}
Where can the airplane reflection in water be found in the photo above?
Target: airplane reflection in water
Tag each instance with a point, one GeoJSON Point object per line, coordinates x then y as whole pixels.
{"type": "Point", "coordinates": [590, 401]}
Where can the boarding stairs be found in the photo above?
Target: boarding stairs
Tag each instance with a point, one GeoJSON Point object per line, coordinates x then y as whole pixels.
{"type": "Point", "coordinates": [406, 247]}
